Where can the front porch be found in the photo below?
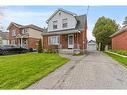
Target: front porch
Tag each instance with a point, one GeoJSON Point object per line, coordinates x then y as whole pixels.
{"type": "Point", "coordinates": [69, 51]}
{"type": "Point", "coordinates": [21, 40]}
{"type": "Point", "coordinates": [68, 42]}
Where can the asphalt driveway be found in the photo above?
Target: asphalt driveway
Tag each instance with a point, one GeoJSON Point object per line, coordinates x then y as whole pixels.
{"type": "Point", "coordinates": [94, 71]}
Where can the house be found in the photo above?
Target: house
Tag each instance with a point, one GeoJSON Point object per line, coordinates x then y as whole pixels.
{"type": "Point", "coordinates": [4, 38]}
{"type": "Point", "coordinates": [24, 35]}
{"type": "Point", "coordinates": [66, 31]}
{"type": "Point", "coordinates": [91, 45]}
{"type": "Point", "coordinates": [119, 39]}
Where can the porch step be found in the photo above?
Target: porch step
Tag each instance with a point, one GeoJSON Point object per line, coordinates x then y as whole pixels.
{"type": "Point", "coordinates": [68, 51]}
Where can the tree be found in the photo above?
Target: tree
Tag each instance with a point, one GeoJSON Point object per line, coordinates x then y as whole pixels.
{"type": "Point", "coordinates": [103, 29]}
{"type": "Point", "coordinates": [39, 46]}
{"type": "Point", "coordinates": [125, 21]}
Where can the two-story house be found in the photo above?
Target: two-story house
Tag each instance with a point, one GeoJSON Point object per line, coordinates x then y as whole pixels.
{"type": "Point", "coordinates": [24, 35]}
{"type": "Point", "coordinates": [66, 31]}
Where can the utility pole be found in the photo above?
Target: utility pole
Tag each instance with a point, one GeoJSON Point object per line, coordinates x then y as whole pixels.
{"type": "Point", "coordinates": [88, 10]}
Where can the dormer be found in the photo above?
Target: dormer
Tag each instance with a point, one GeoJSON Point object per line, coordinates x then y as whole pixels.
{"type": "Point", "coordinates": [61, 20]}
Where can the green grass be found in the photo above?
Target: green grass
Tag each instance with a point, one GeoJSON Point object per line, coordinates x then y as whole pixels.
{"type": "Point", "coordinates": [20, 71]}
{"type": "Point", "coordinates": [121, 52]}
{"type": "Point", "coordinates": [120, 59]}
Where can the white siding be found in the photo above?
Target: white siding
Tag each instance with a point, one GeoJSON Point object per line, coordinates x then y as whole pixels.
{"type": "Point", "coordinates": [91, 46]}
{"type": "Point", "coordinates": [59, 17]}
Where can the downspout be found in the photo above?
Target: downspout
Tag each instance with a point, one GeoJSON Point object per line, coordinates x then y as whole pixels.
{"type": "Point", "coordinates": [42, 41]}
{"type": "Point", "coordinates": [83, 41]}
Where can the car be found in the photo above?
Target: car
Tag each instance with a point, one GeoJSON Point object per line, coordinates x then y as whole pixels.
{"type": "Point", "coordinates": [12, 49]}
{"type": "Point", "coordinates": [32, 50]}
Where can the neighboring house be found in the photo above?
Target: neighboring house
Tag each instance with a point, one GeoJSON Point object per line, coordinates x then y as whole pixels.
{"type": "Point", "coordinates": [119, 39]}
{"type": "Point", "coordinates": [91, 45]}
{"type": "Point", "coordinates": [24, 35]}
{"type": "Point", "coordinates": [66, 30]}
{"type": "Point", "coordinates": [4, 38]}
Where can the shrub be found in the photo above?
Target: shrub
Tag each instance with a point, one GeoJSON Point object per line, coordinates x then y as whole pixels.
{"type": "Point", "coordinates": [52, 49]}
{"type": "Point", "coordinates": [40, 46]}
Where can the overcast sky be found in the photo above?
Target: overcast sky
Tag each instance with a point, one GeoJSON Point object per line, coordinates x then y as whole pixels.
{"type": "Point", "coordinates": [39, 14]}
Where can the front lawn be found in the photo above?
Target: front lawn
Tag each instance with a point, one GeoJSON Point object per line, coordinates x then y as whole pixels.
{"type": "Point", "coordinates": [120, 59]}
{"type": "Point", "coordinates": [20, 71]}
{"type": "Point", "coordinates": [121, 52]}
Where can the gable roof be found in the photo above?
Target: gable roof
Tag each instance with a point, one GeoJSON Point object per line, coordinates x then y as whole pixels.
{"type": "Point", "coordinates": [124, 29]}
{"type": "Point", "coordinates": [81, 21]}
{"type": "Point", "coordinates": [33, 27]}
{"type": "Point", "coordinates": [92, 41]}
{"type": "Point", "coordinates": [25, 26]}
{"type": "Point", "coordinates": [15, 24]}
{"type": "Point", "coordinates": [63, 10]}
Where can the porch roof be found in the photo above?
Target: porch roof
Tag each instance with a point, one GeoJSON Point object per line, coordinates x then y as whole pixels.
{"type": "Point", "coordinates": [62, 32]}
{"type": "Point", "coordinates": [21, 36]}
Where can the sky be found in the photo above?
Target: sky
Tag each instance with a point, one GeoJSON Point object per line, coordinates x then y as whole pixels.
{"type": "Point", "coordinates": [39, 14]}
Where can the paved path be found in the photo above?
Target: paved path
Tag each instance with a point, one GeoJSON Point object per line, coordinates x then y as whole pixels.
{"type": "Point", "coordinates": [95, 71]}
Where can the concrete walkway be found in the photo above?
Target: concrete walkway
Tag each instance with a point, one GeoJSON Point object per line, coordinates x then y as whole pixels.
{"type": "Point", "coordinates": [95, 71]}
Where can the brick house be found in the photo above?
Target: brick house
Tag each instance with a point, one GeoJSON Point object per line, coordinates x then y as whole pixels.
{"type": "Point", "coordinates": [119, 39]}
{"type": "Point", "coordinates": [24, 35]}
{"type": "Point", "coordinates": [66, 31]}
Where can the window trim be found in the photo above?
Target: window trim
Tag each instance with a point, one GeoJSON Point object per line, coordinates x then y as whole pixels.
{"type": "Point", "coordinates": [24, 31]}
{"type": "Point", "coordinates": [64, 23]}
{"type": "Point", "coordinates": [55, 23]}
{"type": "Point", "coordinates": [53, 42]}
{"type": "Point", "coordinates": [13, 32]}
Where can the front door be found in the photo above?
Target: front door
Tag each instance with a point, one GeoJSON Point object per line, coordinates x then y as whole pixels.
{"type": "Point", "coordinates": [71, 41]}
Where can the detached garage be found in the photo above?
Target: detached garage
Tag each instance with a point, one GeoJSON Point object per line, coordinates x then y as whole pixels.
{"type": "Point", "coordinates": [91, 45]}
{"type": "Point", "coordinates": [119, 39]}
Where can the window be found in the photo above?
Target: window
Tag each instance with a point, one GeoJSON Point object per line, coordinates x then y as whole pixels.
{"type": "Point", "coordinates": [13, 33]}
{"type": "Point", "coordinates": [54, 24]}
{"type": "Point", "coordinates": [24, 31]}
{"type": "Point", "coordinates": [59, 13]}
{"type": "Point", "coordinates": [53, 40]}
{"type": "Point", "coordinates": [64, 21]}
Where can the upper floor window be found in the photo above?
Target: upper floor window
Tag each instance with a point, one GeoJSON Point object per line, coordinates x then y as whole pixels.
{"type": "Point", "coordinates": [13, 32]}
{"type": "Point", "coordinates": [59, 13]}
{"type": "Point", "coordinates": [54, 24]}
{"type": "Point", "coordinates": [64, 23]}
{"type": "Point", "coordinates": [24, 31]}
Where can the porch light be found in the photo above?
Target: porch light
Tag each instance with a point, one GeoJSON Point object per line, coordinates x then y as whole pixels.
{"type": "Point", "coordinates": [79, 31]}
